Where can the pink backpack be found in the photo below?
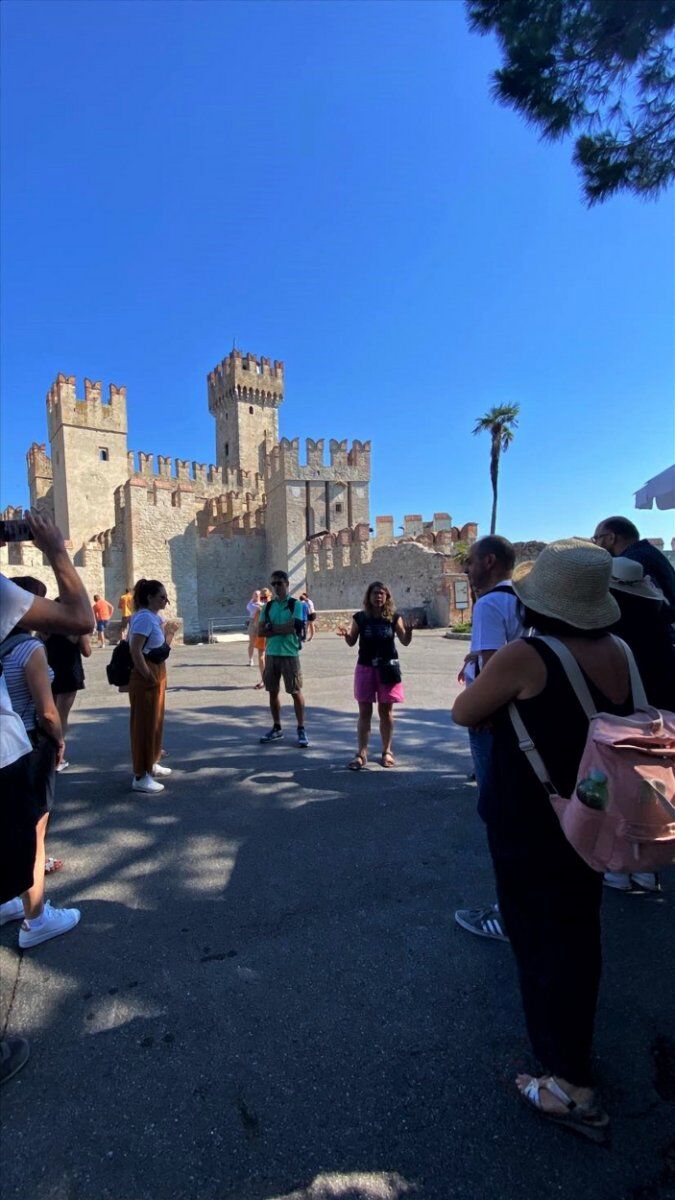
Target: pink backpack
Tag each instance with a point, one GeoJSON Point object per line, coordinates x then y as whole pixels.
{"type": "Point", "coordinates": [627, 771]}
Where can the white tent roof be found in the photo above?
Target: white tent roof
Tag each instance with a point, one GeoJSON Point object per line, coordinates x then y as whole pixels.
{"type": "Point", "coordinates": [661, 488]}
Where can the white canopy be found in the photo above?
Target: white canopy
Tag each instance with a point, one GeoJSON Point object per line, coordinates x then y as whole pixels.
{"type": "Point", "coordinates": [661, 488]}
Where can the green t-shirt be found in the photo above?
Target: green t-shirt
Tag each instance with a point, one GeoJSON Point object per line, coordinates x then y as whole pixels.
{"type": "Point", "coordinates": [285, 645]}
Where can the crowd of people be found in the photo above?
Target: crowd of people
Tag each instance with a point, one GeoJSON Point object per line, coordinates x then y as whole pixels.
{"type": "Point", "coordinates": [537, 629]}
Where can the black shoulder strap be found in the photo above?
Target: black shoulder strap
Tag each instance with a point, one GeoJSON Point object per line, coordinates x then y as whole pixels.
{"type": "Point", "coordinates": [10, 643]}
{"type": "Point", "coordinates": [500, 587]}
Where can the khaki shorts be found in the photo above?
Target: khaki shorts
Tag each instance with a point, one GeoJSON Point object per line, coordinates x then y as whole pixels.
{"type": "Point", "coordinates": [286, 667]}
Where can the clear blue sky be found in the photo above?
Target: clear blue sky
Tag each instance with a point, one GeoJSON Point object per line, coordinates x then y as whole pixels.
{"type": "Point", "coordinates": [331, 184]}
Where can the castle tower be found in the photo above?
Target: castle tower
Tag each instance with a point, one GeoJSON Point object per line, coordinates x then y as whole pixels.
{"type": "Point", "coordinates": [89, 455]}
{"type": "Point", "coordinates": [305, 500]}
{"type": "Point", "coordinates": [244, 396]}
{"type": "Point", "coordinates": [40, 479]}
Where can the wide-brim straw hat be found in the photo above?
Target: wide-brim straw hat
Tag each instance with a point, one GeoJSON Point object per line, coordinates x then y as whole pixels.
{"type": "Point", "coordinates": [569, 581]}
{"type": "Point", "coordinates": [628, 577]}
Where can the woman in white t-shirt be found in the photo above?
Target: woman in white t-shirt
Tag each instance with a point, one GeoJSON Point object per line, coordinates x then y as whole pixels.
{"type": "Point", "coordinates": [150, 638]}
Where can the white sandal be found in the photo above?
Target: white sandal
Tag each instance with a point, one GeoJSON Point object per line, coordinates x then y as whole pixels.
{"type": "Point", "coordinates": [582, 1116]}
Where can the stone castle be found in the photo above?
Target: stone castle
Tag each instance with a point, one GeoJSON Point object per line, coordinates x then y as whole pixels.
{"type": "Point", "coordinates": [213, 533]}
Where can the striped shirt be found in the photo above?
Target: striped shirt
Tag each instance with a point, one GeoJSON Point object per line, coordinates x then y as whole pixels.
{"type": "Point", "coordinates": [15, 675]}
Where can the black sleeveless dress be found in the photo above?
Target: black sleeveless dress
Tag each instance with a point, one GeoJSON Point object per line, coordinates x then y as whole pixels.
{"type": "Point", "coordinates": [548, 897]}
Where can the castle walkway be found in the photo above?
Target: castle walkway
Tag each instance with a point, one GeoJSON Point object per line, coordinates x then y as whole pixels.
{"type": "Point", "coordinates": [267, 997]}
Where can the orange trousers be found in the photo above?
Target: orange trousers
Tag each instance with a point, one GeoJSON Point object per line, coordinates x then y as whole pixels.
{"type": "Point", "coordinates": [147, 717]}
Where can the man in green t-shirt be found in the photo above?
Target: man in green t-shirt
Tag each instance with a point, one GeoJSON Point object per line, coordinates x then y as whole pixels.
{"type": "Point", "coordinates": [280, 623]}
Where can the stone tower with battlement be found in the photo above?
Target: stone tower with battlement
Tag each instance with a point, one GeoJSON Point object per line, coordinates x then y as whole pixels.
{"type": "Point", "coordinates": [244, 396]}
{"type": "Point", "coordinates": [89, 455]}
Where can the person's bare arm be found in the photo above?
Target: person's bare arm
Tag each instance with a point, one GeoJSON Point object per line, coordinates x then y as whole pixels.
{"type": "Point", "coordinates": [514, 670]}
{"type": "Point", "coordinates": [350, 635]}
{"type": "Point", "coordinates": [73, 613]}
{"type": "Point", "coordinates": [136, 644]}
{"type": "Point", "coordinates": [37, 677]}
{"type": "Point", "coordinates": [170, 631]}
{"type": "Point", "coordinates": [403, 632]}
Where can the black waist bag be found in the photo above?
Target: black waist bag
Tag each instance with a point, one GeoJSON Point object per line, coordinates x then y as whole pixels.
{"type": "Point", "coordinates": [390, 671]}
{"type": "Point", "coordinates": [159, 654]}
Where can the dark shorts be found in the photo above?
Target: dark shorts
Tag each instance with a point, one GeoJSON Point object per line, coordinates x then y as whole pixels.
{"type": "Point", "coordinates": [65, 682]}
{"type": "Point", "coordinates": [286, 667]}
{"type": "Point", "coordinates": [17, 830]}
{"type": "Point", "coordinates": [124, 623]}
{"type": "Point", "coordinates": [101, 626]}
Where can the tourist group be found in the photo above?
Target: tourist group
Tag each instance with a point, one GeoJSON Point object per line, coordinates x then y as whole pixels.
{"type": "Point", "coordinates": [569, 701]}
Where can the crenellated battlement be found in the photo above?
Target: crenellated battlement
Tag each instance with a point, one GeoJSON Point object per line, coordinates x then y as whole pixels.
{"type": "Point", "coordinates": [38, 461]}
{"type": "Point", "coordinates": [207, 479]}
{"type": "Point", "coordinates": [64, 407]}
{"type": "Point", "coordinates": [346, 462]}
{"type": "Point", "coordinates": [241, 376]}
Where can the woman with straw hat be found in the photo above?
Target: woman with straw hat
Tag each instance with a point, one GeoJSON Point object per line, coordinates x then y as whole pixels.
{"type": "Point", "coordinates": [548, 897]}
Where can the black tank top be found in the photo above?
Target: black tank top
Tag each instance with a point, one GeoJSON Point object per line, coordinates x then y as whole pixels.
{"type": "Point", "coordinates": [558, 726]}
{"type": "Point", "coordinates": [376, 638]}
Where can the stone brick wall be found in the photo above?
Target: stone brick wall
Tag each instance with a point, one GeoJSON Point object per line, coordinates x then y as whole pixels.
{"type": "Point", "coordinates": [160, 533]}
{"type": "Point", "coordinates": [228, 570]}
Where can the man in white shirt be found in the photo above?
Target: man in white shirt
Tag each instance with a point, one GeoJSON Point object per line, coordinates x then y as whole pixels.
{"type": "Point", "coordinates": [495, 621]}
{"type": "Point", "coordinates": [17, 820]}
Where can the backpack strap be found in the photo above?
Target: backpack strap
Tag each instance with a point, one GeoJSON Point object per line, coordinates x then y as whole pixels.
{"type": "Point", "coordinates": [574, 674]}
{"type": "Point", "coordinates": [529, 749]}
{"type": "Point", "coordinates": [637, 688]}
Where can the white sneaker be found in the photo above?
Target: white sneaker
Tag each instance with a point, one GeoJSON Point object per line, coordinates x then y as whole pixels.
{"type": "Point", "coordinates": [146, 784]}
{"type": "Point", "coordinates": [54, 922]}
{"type": "Point", "coordinates": [12, 910]}
{"type": "Point", "coordinates": [62, 766]}
{"type": "Point", "coordinates": [159, 770]}
{"type": "Point", "coordinates": [615, 879]}
{"type": "Point", "coordinates": [647, 881]}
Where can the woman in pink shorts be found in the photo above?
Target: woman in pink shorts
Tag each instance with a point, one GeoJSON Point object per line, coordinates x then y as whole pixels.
{"type": "Point", "coordinates": [378, 671]}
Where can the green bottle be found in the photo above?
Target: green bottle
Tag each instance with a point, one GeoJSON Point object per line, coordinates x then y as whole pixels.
{"type": "Point", "coordinates": [593, 791]}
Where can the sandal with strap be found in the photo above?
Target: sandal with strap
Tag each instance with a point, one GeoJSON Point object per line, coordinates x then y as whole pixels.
{"type": "Point", "coordinates": [583, 1116]}
{"type": "Point", "coordinates": [387, 759]}
{"type": "Point", "coordinates": [358, 762]}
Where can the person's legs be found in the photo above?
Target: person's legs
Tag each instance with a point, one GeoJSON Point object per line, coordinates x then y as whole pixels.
{"type": "Point", "coordinates": [299, 706]}
{"type": "Point", "coordinates": [363, 726]}
{"type": "Point", "coordinates": [160, 701]}
{"type": "Point", "coordinates": [275, 708]}
{"type": "Point", "coordinates": [480, 742]}
{"type": "Point", "coordinates": [34, 898]}
{"type": "Point", "coordinates": [64, 702]}
{"type": "Point", "coordinates": [550, 903]}
{"type": "Point", "coordinates": [142, 724]}
{"type": "Point", "coordinates": [386, 715]}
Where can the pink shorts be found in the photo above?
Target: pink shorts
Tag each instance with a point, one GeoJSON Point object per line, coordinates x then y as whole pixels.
{"type": "Point", "coordinates": [368, 687]}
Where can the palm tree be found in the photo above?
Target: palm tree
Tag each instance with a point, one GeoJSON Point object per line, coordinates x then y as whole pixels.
{"type": "Point", "coordinates": [499, 422]}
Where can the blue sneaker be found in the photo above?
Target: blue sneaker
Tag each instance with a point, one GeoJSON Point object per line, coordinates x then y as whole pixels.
{"type": "Point", "coordinates": [303, 740]}
{"type": "Point", "coordinates": [274, 734]}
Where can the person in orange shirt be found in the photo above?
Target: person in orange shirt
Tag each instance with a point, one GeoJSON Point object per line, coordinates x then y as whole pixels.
{"type": "Point", "coordinates": [126, 607]}
{"type": "Point", "coordinates": [103, 610]}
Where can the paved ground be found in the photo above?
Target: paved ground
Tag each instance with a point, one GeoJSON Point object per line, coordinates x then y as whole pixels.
{"type": "Point", "coordinates": [267, 997]}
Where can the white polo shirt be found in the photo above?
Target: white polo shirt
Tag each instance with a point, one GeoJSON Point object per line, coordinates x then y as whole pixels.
{"type": "Point", "coordinates": [495, 622]}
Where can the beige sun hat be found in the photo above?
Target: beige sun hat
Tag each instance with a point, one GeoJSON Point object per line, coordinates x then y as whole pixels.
{"type": "Point", "coordinates": [569, 581]}
{"type": "Point", "coordinates": [522, 569]}
{"type": "Point", "coordinates": [628, 576]}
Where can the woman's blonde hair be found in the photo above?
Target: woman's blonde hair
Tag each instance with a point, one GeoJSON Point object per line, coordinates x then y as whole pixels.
{"type": "Point", "coordinates": [388, 607]}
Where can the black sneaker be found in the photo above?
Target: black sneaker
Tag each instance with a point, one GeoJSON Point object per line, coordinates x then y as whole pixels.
{"type": "Point", "coordinates": [14, 1054]}
{"type": "Point", "coordinates": [484, 922]}
{"type": "Point", "coordinates": [303, 740]}
{"type": "Point", "coordinates": [273, 736]}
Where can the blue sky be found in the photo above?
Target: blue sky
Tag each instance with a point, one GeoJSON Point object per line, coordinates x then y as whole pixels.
{"type": "Point", "coordinates": [330, 184]}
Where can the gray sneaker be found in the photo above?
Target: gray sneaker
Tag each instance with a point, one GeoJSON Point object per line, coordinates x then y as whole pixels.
{"type": "Point", "coordinates": [484, 922]}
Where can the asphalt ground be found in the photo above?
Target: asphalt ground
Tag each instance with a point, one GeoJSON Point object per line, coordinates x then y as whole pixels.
{"type": "Point", "coordinates": [267, 996]}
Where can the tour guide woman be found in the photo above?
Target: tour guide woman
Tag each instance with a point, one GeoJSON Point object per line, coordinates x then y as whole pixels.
{"type": "Point", "coordinates": [378, 673]}
{"type": "Point", "coordinates": [149, 642]}
{"type": "Point", "coordinates": [548, 897]}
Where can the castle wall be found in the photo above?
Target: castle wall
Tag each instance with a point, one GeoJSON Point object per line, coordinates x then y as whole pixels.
{"type": "Point", "coordinates": [228, 570]}
{"type": "Point", "coordinates": [418, 577]}
{"type": "Point", "coordinates": [160, 534]}
{"type": "Point", "coordinates": [244, 394]}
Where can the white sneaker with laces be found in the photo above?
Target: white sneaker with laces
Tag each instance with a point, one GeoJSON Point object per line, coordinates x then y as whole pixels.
{"type": "Point", "coordinates": [146, 784]}
{"type": "Point", "coordinates": [54, 922]}
{"type": "Point", "coordinates": [12, 910]}
{"type": "Point", "coordinates": [159, 770]}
